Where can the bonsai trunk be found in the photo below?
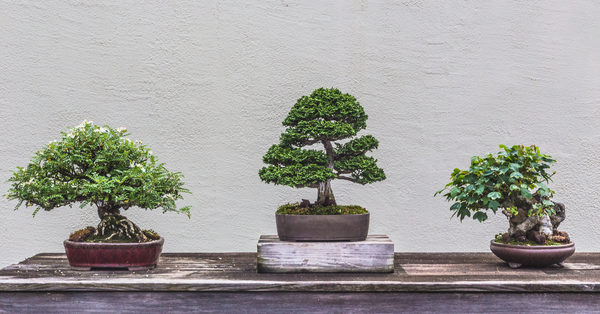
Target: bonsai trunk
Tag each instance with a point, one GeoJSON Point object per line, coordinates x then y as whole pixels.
{"type": "Point", "coordinates": [106, 209]}
{"type": "Point", "coordinates": [325, 194]}
{"type": "Point", "coordinates": [113, 224]}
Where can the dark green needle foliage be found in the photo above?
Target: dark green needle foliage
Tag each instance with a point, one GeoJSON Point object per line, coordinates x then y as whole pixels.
{"type": "Point", "coordinates": [98, 166]}
{"type": "Point", "coordinates": [326, 116]}
{"type": "Point", "coordinates": [513, 179]}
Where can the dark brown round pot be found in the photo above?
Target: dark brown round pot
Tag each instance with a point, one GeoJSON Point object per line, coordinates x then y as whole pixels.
{"type": "Point", "coordinates": [135, 256]}
{"type": "Point", "coordinates": [538, 256]}
{"type": "Point", "coordinates": [322, 227]}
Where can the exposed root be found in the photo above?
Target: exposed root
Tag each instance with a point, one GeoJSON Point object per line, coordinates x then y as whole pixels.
{"type": "Point", "coordinates": [116, 225]}
{"type": "Point", "coordinates": [112, 235]}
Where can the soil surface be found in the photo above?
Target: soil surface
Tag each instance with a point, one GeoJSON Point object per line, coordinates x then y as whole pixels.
{"type": "Point", "coordinates": [86, 235]}
{"type": "Point", "coordinates": [312, 209]}
{"type": "Point", "coordinates": [533, 238]}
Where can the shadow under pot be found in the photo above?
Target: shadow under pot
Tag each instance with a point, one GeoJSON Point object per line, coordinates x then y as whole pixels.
{"type": "Point", "coordinates": [322, 227]}
{"type": "Point", "coordinates": [134, 256]}
{"type": "Point", "coordinates": [537, 256]}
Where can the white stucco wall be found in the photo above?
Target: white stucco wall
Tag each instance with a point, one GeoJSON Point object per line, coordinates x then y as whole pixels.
{"type": "Point", "coordinates": [206, 84]}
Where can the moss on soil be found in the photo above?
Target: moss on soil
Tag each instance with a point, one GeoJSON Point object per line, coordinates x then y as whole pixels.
{"type": "Point", "coordinates": [295, 209]}
{"type": "Point", "coordinates": [498, 239]}
{"type": "Point", "coordinates": [150, 234]}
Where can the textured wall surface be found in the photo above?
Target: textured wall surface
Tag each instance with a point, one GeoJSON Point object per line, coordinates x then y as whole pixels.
{"type": "Point", "coordinates": [206, 84]}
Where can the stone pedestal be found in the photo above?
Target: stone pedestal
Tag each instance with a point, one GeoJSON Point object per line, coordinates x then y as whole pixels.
{"type": "Point", "coordinates": [374, 255]}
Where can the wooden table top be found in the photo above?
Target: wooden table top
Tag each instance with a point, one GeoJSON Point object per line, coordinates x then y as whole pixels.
{"type": "Point", "coordinates": [212, 272]}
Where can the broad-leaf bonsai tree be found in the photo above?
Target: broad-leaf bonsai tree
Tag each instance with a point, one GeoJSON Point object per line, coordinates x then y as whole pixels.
{"type": "Point", "coordinates": [98, 166]}
{"type": "Point", "coordinates": [515, 181]}
{"type": "Point", "coordinates": [324, 117]}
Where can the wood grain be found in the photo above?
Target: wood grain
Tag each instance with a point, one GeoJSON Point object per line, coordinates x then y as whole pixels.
{"type": "Point", "coordinates": [229, 282]}
{"type": "Point", "coordinates": [375, 254]}
{"type": "Point", "coordinates": [228, 272]}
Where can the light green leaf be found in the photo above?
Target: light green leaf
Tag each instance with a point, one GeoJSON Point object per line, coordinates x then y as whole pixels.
{"type": "Point", "coordinates": [516, 175]}
{"type": "Point", "coordinates": [494, 195]}
{"type": "Point", "coordinates": [547, 203]}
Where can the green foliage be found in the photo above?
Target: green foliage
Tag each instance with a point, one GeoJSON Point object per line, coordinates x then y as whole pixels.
{"type": "Point", "coordinates": [328, 113]}
{"type": "Point", "coordinates": [286, 156]}
{"type": "Point", "coordinates": [325, 116]}
{"type": "Point", "coordinates": [357, 146]}
{"type": "Point", "coordinates": [296, 175]}
{"type": "Point", "coordinates": [363, 169]}
{"type": "Point", "coordinates": [96, 165]}
{"type": "Point", "coordinates": [295, 209]}
{"type": "Point", "coordinates": [514, 177]}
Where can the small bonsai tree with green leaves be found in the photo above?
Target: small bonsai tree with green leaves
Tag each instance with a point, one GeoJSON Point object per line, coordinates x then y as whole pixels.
{"type": "Point", "coordinates": [515, 181]}
{"type": "Point", "coordinates": [326, 116]}
{"type": "Point", "coordinates": [98, 166]}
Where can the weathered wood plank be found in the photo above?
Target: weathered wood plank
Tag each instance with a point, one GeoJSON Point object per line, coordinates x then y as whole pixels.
{"type": "Point", "coordinates": [296, 302]}
{"type": "Point", "coordinates": [375, 254]}
{"type": "Point", "coordinates": [228, 272]}
{"type": "Point", "coordinates": [466, 270]}
{"type": "Point", "coordinates": [229, 282]}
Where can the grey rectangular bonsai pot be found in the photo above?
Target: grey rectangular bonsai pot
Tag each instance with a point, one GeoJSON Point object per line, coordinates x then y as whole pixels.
{"type": "Point", "coordinates": [322, 227]}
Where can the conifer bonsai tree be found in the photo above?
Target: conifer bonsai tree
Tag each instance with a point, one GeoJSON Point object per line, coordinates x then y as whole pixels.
{"type": "Point", "coordinates": [515, 181]}
{"type": "Point", "coordinates": [324, 117]}
{"type": "Point", "coordinates": [98, 166]}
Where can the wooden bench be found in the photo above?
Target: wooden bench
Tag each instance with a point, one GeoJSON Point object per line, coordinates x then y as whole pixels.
{"type": "Point", "coordinates": [230, 283]}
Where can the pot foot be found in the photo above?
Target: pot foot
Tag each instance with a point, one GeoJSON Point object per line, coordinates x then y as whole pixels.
{"type": "Point", "coordinates": [137, 268]}
{"type": "Point", "coordinates": [514, 265]}
{"type": "Point", "coordinates": [561, 264]}
{"type": "Point", "coordinates": [80, 268]}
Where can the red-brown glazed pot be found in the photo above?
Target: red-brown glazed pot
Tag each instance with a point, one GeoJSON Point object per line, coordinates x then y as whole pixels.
{"type": "Point", "coordinates": [134, 256]}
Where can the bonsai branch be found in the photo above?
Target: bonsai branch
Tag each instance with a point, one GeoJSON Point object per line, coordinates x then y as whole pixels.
{"type": "Point", "coordinates": [310, 142]}
{"type": "Point", "coordinates": [314, 186]}
{"type": "Point", "coordinates": [346, 178]}
{"type": "Point", "coordinates": [73, 175]}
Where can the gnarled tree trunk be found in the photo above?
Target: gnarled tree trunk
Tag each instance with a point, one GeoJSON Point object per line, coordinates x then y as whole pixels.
{"type": "Point", "coordinates": [113, 224]}
{"type": "Point", "coordinates": [325, 194]}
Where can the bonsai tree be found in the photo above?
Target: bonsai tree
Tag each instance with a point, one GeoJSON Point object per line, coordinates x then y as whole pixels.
{"type": "Point", "coordinates": [100, 167]}
{"type": "Point", "coordinates": [515, 181]}
{"type": "Point", "coordinates": [326, 116]}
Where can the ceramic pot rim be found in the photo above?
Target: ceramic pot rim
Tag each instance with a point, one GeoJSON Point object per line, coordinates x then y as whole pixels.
{"type": "Point", "coordinates": [532, 247]}
{"type": "Point", "coordinates": [323, 215]}
{"type": "Point", "coordinates": [114, 245]}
